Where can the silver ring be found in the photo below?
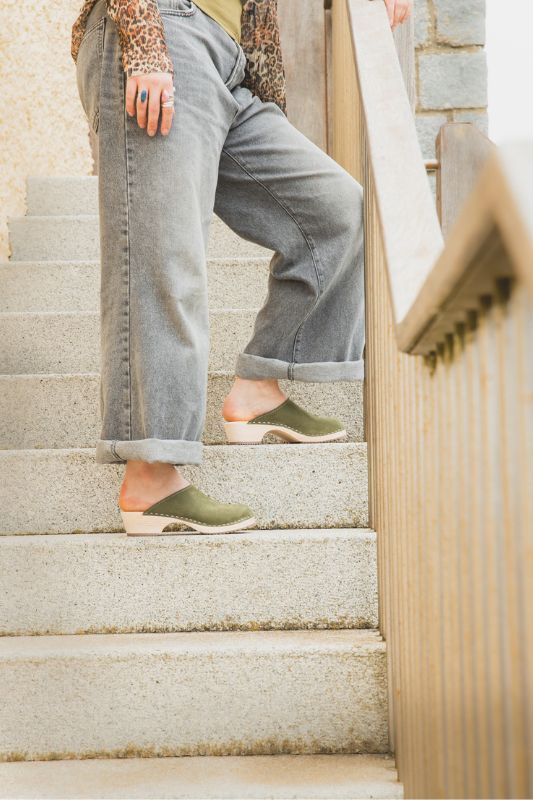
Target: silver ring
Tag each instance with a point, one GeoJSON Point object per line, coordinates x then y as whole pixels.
{"type": "Point", "coordinates": [167, 104]}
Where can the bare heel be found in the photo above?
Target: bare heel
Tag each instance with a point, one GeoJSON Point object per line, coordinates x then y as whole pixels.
{"type": "Point", "coordinates": [138, 524]}
{"type": "Point", "coordinates": [243, 433]}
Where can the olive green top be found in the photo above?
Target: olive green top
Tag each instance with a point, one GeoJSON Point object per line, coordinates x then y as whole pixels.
{"type": "Point", "coordinates": [226, 12]}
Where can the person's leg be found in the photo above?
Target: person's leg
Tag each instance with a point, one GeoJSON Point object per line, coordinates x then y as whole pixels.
{"type": "Point", "coordinates": [156, 197]}
{"type": "Point", "coordinates": [277, 188]}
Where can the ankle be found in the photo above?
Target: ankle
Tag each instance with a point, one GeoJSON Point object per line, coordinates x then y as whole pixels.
{"type": "Point", "coordinates": [145, 483]}
{"type": "Point", "coordinates": [248, 398]}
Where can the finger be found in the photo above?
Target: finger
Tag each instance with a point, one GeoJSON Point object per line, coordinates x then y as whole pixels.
{"type": "Point", "coordinates": [392, 12]}
{"type": "Point", "coordinates": [406, 12]}
{"type": "Point", "coordinates": [167, 113]}
{"type": "Point", "coordinates": [402, 13]}
{"type": "Point", "coordinates": [154, 108]}
{"type": "Point", "coordinates": [131, 91]}
{"type": "Point", "coordinates": [142, 104]}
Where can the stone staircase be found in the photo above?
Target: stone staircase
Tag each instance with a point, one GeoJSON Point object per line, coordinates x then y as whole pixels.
{"type": "Point", "coordinates": [255, 654]}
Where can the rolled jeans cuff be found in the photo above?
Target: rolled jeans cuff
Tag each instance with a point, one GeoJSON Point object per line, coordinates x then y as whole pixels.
{"type": "Point", "coordinates": [169, 451]}
{"type": "Point", "coordinates": [258, 368]}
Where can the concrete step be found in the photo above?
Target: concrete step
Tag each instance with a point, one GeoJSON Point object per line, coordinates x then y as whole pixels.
{"type": "Point", "coordinates": [285, 579]}
{"type": "Point", "coordinates": [177, 694]}
{"type": "Point", "coordinates": [63, 410]}
{"type": "Point", "coordinates": [61, 195]}
{"type": "Point", "coordinates": [75, 286]}
{"type": "Point", "coordinates": [287, 486]}
{"type": "Point", "coordinates": [316, 777]}
{"type": "Point", "coordinates": [77, 238]}
{"type": "Point", "coordinates": [65, 342]}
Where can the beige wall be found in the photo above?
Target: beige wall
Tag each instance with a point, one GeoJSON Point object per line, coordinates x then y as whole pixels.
{"type": "Point", "coordinates": [42, 126]}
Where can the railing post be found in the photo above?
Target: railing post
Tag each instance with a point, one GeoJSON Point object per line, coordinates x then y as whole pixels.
{"type": "Point", "coordinates": [302, 21]}
{"type": "Point", "coordinates": [345, 126]}
{"type": "Point", "coordinates": [461, 151]}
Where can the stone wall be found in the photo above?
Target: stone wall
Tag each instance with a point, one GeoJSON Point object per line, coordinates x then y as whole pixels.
{"type": "Point", "coordinates": [451, 70]}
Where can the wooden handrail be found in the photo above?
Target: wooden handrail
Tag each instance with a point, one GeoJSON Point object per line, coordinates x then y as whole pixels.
{"type": "Point", "coordinates": [412, 239]}
{"type": "Point", "coordinates": [449, 436]}
{"type": "Point", "coordinates": [498, 213]}
{"type": "Point", "coordinates": [424, 278]}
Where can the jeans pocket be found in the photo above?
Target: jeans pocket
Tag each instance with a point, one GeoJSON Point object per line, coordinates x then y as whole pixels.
{"type": "Point", "coordinates": [236, 75]}
{"type": "Point", "coordinates": [89, 71]}
{"type": "Point", "coordinates": [177, 8]}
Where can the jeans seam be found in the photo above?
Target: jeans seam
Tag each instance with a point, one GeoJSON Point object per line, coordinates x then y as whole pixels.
{"type": "Point", "coordinates": [128, 262]}
{"type": "Point", "coordinates": [176, 12]}
{"type": "Point", "coordinates": [172, 13]}
{"type": "Point", "coordinates": [89, 31]}
{"type": "Point", "coordinates": [310, 243]}
{"type": "Point", "coordinates": [101, 38]}
{"type": "Point", "coordinates": [236, 67]}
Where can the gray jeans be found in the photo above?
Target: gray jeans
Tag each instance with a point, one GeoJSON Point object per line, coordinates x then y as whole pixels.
{"type": "Point", "coordinates": [230, 153]}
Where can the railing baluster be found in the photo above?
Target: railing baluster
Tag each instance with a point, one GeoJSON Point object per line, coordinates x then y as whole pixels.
{"type": "Point", "coordinates": [449, 424]}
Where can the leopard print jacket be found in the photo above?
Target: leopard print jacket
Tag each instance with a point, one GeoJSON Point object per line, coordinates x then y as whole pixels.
{"type": "Point", "coordinates": [142, 40]}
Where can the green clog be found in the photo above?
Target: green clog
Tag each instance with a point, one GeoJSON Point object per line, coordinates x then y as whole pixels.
{"type": "Point", "coordinates": [191, 507]}
{"type": "Point", "coordinates": [289, 421]}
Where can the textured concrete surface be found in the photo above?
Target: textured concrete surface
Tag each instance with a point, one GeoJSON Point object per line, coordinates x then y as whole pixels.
{"type": "Point", "coordinates": [61, 194]}
{"type": "Point", "coordinates": [49, 286]}
{"type": "Point", "coordinates": [170, 694]}
{"type": "Point", "coordinates": [287, 486]}
{"type": "Point", "coordinates": [40, 411]}
{"type": "Point", "coordinates": [258, 580]}
{"type": "Point", "coordinates": [75, 286]}
{"type": "Point", "coordinates": [70, 342]}
{"type": "Point", "coordinates": [316, 777]}
{"type": "Point", "coordinates": [49, 342]}
{"type": "Point", "coordinates": [76, 238]}
{"type": "Point", "coordinates": [44, 131]}
{"type": "Point", "coordinates": [453, 80]}
{"type": "Point", "coordinates": [46, 411]}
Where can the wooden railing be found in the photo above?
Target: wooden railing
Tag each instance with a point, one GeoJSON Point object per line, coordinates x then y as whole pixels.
{"type": "Point", "coordinates": [449, 421]}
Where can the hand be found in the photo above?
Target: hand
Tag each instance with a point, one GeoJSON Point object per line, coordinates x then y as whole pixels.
{"type": "Point", "coordinates": [158, 87]}
{"type": "Point", "coordinates": [398, 11]}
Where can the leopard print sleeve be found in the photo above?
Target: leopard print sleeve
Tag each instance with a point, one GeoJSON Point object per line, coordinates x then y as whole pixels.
{"type": "Point", "coordinates": [260, 40]}
{"type": "Point", "coordinates": [141, 35]}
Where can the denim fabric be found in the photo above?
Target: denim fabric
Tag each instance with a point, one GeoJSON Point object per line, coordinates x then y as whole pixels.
{"type": "Point", "coordinates": [231, 153]}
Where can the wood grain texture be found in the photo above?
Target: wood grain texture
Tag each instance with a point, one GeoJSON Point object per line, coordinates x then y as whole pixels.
{"type": "Point", "coordinates": [462, 150]}
{"type": "Point", "coordinates": [404, 37]}
{"type": "Point", "coordinates": [412, 240]}
{"type": "Point", "coordinates": [304, 57]}
{"type": "Point", "coordinates": [450, 447]}
{"type": "Point", "coordinates": [344, 101]}
{"type": "Point", "coordinates": [492, 239]}
{"type": "Point", "coordinates": [328, 44]}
